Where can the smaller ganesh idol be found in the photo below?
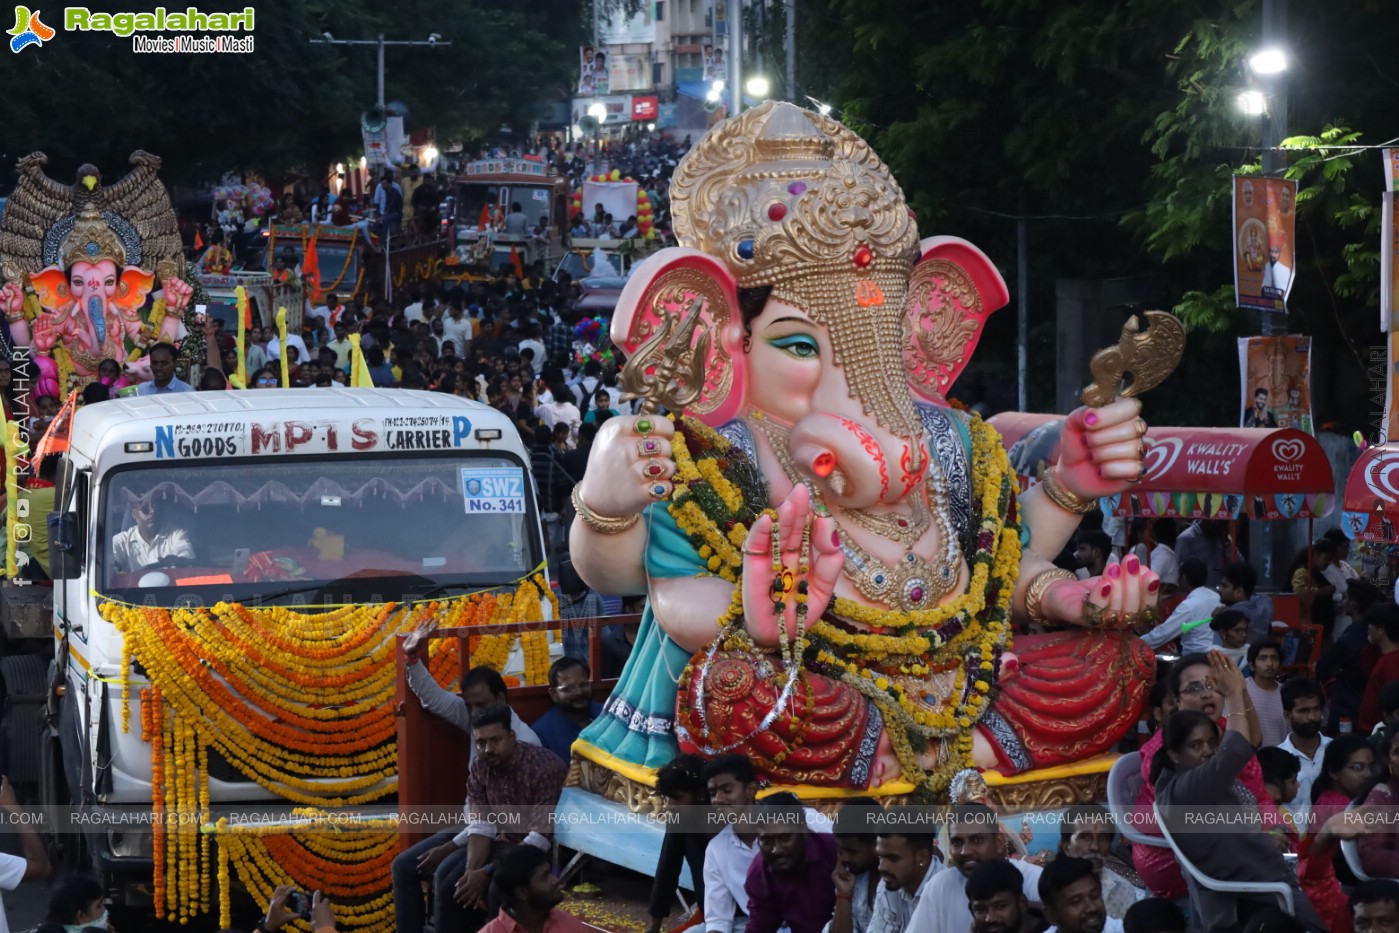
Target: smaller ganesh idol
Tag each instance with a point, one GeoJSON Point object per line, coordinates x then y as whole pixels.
{"type": "Point", "coordinates": [80, 265]}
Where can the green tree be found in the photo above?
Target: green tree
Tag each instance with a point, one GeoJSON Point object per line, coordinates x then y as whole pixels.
{"type": "Point", "coordinates": [289, 106]}
{"type": "Point", "coordinates": [1113, 126]}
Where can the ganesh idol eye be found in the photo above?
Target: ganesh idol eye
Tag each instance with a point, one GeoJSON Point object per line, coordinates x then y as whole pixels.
{"type": "Point", "coordinates": [802, 346]}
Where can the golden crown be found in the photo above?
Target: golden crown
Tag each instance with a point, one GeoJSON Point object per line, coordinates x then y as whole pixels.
{"type": "Point", "coordinates": [91, 240]}
{"type": "Point", "coordinates": [790, 199]}
{"type": "Point", "coordinates": [779, 187]}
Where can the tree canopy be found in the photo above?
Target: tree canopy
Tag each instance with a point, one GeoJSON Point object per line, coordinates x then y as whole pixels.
{"type": "Point", "coordinates": [1113, 127]}
{"type": "Point", "coordinates": [289, 105]}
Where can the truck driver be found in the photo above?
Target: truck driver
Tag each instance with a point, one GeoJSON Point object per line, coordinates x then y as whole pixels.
{"type": "Point", "coordinates": [148, 542]}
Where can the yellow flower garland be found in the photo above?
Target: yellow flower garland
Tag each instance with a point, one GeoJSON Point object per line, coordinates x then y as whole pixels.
{"type": "Point", "coordinates": [298, 703]}
{"type": "Point", "coordinates": [964, 634]}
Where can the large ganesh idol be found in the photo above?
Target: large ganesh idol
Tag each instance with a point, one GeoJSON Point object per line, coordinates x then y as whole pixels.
{"type": "Point", "coordinates": [834, 556]}
{"type": "Point", "coordinates": [79, 263]}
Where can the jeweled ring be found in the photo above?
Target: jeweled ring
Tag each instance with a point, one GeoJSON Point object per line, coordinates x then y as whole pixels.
{"type": "Point", "coordinates": [648, 447]}
{"type": "Point", "coordinates": [752, 553]}
{"type": "Point", "coordinates": [659, 490]}
{"type": "Point", "coordinates": [654, 468]}
{"type": "Point", "coordinates": [644, 426]}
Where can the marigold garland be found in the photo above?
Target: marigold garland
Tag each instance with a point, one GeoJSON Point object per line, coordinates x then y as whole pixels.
{"type": "Point", "coordinates": [300, 704]}
{"type": "Point", "coordinates": [895, 650]}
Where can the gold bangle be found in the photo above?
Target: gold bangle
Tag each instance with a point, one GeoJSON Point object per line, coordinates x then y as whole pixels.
{"type": "Point", "coordinates": [1034, 596]}
{"type": "Point", "coordinates": [602, 524]}
{"type": "Point", "coordinates": [1062, 497]}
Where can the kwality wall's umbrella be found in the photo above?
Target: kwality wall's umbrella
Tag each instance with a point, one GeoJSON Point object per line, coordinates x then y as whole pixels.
{"type": "Point", "coordinates": [1221, 473]}
{"type": "Point", "coordinates": [1371, 505]}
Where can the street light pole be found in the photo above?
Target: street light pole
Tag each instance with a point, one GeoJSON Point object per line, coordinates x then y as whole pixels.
{"type": "Point", "coordinates": [380, 43]}
{"type": "Point", "coordinates": [736, 55]}
{"type": "Point", "coordinates": [791, 50]}
{"type": "Point", "coordinates": [1274, 123]}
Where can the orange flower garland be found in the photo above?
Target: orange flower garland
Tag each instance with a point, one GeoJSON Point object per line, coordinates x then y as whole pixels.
{"type": "Point", "coordinates": [299, 703]}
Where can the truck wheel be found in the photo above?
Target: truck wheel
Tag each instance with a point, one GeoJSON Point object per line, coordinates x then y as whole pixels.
{"type": "Point", "coordinates": [23, 678]}
{"type": "Point", "coordinates": [67, 847]}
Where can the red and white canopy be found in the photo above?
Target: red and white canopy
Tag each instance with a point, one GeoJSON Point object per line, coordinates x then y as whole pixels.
{"type": "Point", "coordinates": [1223, 473]}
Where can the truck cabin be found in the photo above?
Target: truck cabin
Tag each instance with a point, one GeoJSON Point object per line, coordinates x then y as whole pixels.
{"type": "Point", "coordinates": [308, 504]}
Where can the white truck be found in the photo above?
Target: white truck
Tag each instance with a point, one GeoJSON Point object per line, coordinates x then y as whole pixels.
{"type": "Point", "coordinates": [426, 493]}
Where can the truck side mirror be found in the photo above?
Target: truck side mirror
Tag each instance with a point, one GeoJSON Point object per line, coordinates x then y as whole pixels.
{"type": "Point", "coordinates": [65, 545]}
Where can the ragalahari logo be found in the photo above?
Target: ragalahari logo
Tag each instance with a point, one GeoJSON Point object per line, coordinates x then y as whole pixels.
{"type": "Point", "coordinates": [29, 30]}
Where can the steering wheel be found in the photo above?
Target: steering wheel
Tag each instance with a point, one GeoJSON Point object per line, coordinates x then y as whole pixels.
{"type": "Point", "coordinates": [171, 563]}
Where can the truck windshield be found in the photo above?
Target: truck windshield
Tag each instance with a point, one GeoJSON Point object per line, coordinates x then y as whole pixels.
{"type": "Point", "coordinates": [351, 530]}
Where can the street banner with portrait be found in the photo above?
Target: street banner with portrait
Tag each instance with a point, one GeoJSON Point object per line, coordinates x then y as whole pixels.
{"type": "Point", "coordinates": [593, 76]}
{"type": "Point", "coordinates": [1275, 379]}
{"type": "Point", "coordinates": [714, 62]}
{"type": "Point", "coordinates": [1265, 253]}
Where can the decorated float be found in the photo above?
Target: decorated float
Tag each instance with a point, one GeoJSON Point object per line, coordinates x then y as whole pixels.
{"type": "Point", "coordinates": [837, 560]}
{"type": "Point", "coordinates": [621, 197]}
{"type": "Point", "coordinates": [92, 271]}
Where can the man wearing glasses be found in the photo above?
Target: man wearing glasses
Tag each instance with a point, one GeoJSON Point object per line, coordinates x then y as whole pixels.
{"type": "Point", "coordinates": [571, 689]}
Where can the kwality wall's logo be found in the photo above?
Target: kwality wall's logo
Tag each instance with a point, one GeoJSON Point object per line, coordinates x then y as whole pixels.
{"type": "Point", "coordinates": [195, 30]}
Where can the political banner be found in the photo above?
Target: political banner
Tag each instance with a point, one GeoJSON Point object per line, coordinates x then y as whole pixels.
{"type": "Point", "coordinates": [714, 62]}
{"type": "Point", "coordinates": [1264, 242]}
{"type": "Point", "coordinates": [1275, 382]}
{"type": "Point", "coordinates": [593, 76]}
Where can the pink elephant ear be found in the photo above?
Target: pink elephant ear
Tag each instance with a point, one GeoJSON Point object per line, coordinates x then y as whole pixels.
{"type": "Point", "coordinates": [952, 291]}
{"type": "Point", "coordinates": [685, 299]}
{"type": "Point", "coordinates": [51, 288]}
{"type": "Point", "coordinates": [133, 288]}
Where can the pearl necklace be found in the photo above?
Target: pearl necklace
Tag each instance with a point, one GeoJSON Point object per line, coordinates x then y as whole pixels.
{"type": "Point", "coordinates": [912, 583]}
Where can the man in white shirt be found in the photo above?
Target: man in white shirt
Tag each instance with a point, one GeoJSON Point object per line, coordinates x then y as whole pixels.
{"type": "Point", "coordinates": [1199, 603]}
{"type": "Point", "coordinates": [907, 862]}
{"type": "Point", "coordinates": [733, 789]}
{"type": "Point", "coordinates": [1275, 274]}
{"type": "Point", "coordinates": [33, 865]}
{"type": "Point", "coordinates": [975, 836]}
{"type": "Point", "coordinates": [456, 327]}
{"type": "Point", "coordinates": [329, 312]}
{"type": "Point", "coordinates": [732, 782]}
{"type": "Point", "coordinates": [1301, 704]}
{"type": "Point", "coordinates": [533, 342]}
{"type": "Point", "coordinates": [147, 543]}
{"type": "Point", "coordinates": [1072, 894]}
{"type": "Point", "coordinates": [274, 347]}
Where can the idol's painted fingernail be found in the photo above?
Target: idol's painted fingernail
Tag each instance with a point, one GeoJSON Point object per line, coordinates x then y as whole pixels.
{"type": "Point", "coordinates": [1114, 571]}
{"type": "Point", "coordinates": [1090, 419]}
{"type": "Point", "coordinates": [1107, 591]}
{"type": "Point", "coordinates": [1153, 586]}
{"type": "Point", "coordinates": [1133, 564]}
{"type": "Point", "coordinates": [835, 538]}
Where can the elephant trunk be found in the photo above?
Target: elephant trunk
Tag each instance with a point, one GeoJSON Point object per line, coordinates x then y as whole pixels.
{"type": "Point", "coordinates": [855, 465]}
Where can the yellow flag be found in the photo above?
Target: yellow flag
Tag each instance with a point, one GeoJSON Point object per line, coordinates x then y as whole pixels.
{"type": "Point", "coordinates": [239, 378]}
{"type": "Point", "coordinates": [282, 343]}
{"type": "Point", "coordinates": [359, 369]}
